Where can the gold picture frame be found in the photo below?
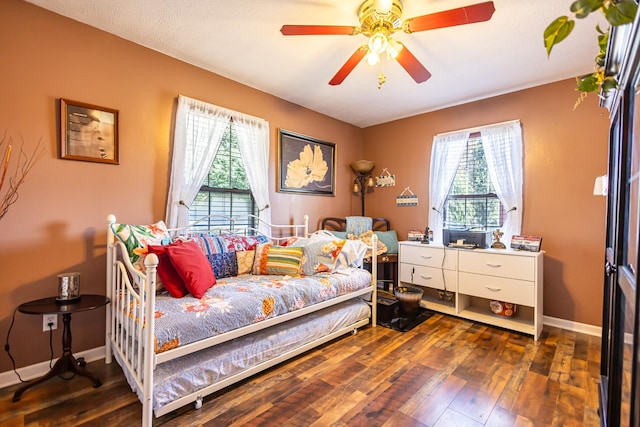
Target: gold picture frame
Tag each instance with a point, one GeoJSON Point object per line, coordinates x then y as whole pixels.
{"type": "Point", "coordinates": [88, 132]}
{"type": "Point", "coordinates": [306, 165]}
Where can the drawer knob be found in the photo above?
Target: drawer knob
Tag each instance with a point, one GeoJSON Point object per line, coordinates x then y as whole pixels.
{"type": "Point", "coordinates": [494, 265]}
{"type": "Point", "coordinates": [425, 257]}
{"type": "Point", "coordinates": [426, 277]}
{"type": "Point", "coordinates": [493, 289]}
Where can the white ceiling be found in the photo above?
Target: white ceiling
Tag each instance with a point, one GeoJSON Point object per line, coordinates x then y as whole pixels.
{"type": "Point", "coordinates": [240, 39]}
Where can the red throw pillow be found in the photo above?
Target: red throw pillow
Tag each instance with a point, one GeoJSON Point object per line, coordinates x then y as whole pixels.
{"type": "Point", "coordinates": [192, 267]}
{"type": "Point", "coordinates": [166, 271]}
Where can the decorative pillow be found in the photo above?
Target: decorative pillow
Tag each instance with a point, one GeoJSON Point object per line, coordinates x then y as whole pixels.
{"type": "Point", "coordinates": [136, 238]}
{"type": "Point", "coordinates": [224, 264]}
{"type": "Point", "coordinates": [339, 234]}
{"type": "Point", "coordinates": [260, 258]}
{"type": "Point", "coordinates": [192, 267]}
{"type": "Point", "coordinates": [284, 260]}
{"type": "Point", "coordinates": [236, 242]}
{"type": "Point", "coordinates": [320, 256]}
{"type": "Point", "coordinates": [210, 243]}
{"type": "Point", "coordinates": [245, 261]}
{"type": "Point", "coordinates": [390, 239]}
{"type": "Point", "coordinates": [365, 237]}
{"type": "Point", "coordinates": [296, 241]}
{"type": "Point", "coordinates": [351, 255]}
{"type": "Point", "coordinates": [167, 274]}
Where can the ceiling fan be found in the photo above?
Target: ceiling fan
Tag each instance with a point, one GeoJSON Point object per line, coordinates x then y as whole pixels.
{"type": "Point", "coordinates": [379, 19]}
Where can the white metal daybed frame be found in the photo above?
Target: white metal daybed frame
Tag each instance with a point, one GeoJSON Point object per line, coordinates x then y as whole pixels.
{"type": "Point", "coordinates": [123, 333]}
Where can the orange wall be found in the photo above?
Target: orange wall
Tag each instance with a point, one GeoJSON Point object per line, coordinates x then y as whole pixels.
{"type": "Point", "coordinates": [564, 151]}
{"type": "Point", "coordinates": [58, 224]}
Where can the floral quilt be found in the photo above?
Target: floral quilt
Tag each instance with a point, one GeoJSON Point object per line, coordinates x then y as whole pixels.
{"type": "Point", "coordinates": [235, 302]}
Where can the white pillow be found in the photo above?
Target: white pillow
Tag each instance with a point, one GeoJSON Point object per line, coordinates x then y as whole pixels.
{"type": "Point", "coordinates": [351, 255]}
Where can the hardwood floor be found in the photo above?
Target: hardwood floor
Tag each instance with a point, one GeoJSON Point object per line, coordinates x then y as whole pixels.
{"type": "Point", "coordinates": [445, 372]}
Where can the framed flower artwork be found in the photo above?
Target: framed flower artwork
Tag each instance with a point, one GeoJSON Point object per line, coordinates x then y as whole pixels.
{"type": "Point", "coordinates": [305, 164]}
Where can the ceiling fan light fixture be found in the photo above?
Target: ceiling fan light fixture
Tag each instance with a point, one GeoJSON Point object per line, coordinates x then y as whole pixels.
{"type": "Point", "coordinates": [372, 58]}
{"type": "Point", "coordinates": [383, 7]}
{"type": "Point", "coordinates": [394, 48]}
{"type": "Point", "coordinates": [378, 42]}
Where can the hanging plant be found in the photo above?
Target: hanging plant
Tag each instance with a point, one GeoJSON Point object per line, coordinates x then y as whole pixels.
{"type": "Point", "coordinates": [617, 13]}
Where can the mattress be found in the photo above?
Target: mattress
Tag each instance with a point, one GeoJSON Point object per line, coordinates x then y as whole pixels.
{"type": "Point", "coordinates": [240, 301]}
{"type": "Point", "coordinates": [188, 374]}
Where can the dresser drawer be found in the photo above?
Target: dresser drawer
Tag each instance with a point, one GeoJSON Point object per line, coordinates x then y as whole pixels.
{"type": "Point", "coordinates": [496, 264]}
{"type": "Point", "coordinates": [498, 288]}
{"type": "Point", "coordinates": [428, 256]}
{"type": "Point", "coordinates": [428, 276]}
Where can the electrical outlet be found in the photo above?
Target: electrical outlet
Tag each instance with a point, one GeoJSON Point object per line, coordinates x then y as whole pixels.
{"type": "Point", "coordinates": [49, 318]}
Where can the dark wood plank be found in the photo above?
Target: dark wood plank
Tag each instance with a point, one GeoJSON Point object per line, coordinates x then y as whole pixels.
{"type": "Point", "coordinates": [446, 371]}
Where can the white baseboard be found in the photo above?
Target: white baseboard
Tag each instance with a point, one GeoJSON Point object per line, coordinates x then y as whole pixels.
{"type": "Point", "coordinates": [583, 328]}
{"type": "Point", "coordinates": [39, 369]}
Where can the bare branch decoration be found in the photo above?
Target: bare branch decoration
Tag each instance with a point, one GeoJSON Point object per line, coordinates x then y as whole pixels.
{"type": "Point", "coordinates": [14, 173]}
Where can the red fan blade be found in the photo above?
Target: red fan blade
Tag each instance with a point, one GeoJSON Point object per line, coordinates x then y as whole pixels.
{"type": "Point", "coordinates": [317, 30]}
{"type": "Point", "coordinates": [463, 15]}
{"type": "Point", "coordinates": [411, 64]}
{"type": "Point", "coordinates": [349, 66]}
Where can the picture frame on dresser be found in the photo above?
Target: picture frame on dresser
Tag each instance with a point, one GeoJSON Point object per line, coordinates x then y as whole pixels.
{"type": "Point", "coordinates": [526, 243]}
{"type": "Point", "coordinates": [88, 132]}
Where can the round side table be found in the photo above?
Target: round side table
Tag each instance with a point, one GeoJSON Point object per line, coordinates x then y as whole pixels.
{"type": "Point", "coordinates": [67, 362]}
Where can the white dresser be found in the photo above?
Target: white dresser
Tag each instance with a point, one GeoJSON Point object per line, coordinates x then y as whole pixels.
{"type": "Point", "coordinates": [461, 282]}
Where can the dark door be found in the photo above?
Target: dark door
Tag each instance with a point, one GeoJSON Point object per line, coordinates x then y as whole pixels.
{"type": "Point", "coordinates": [619, 395]}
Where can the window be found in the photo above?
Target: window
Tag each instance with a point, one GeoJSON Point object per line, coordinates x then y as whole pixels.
{"type": "Point", "coordinates": [225, 190]}
{"type": "Point", "coordinates": [472, 202]}
{"type": "Point", "coordinates": [475, 180]}
{"type": "Point", "coordinates": [199, 130]}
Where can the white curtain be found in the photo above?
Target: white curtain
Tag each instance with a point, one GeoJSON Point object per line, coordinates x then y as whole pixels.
{"type": "Point", "coordinates": [502, 145]}
{"type": "Point", "coordinates": [198, 131]}
{"type": "Point", "coordinates": [446, 152]}
{"type": "Point", "coordinates": [253, 143]}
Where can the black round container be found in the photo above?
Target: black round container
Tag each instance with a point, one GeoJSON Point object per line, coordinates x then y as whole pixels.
{"type": "Point", "coordinates": [408, 299]}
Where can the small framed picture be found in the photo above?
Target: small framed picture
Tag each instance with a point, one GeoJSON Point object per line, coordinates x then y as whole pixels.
{"type": "Point", "coordinates": [88, 132]}
{"type": "Point", "coordinates": [526, 243]}
{"type": "Point", "coordinates": [305, 165]}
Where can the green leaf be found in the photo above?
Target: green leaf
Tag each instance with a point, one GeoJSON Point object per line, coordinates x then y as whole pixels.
{"type": "Point", "coordinates": [609, 83]}
{"type": "Point", "coordinates": [588, 83]}
{"type": "Point", "coordinates": [582, 8]}
{"type": "Point", "coordinates": [557, 31]}
{"type": "Point", "coordinates": [621, 13]}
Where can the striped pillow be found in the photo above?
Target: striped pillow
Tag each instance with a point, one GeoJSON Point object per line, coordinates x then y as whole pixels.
{"type": "Point", "coordinates": [284, 260]}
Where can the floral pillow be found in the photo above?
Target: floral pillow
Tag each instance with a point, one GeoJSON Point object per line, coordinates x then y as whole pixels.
{"type": "Point", "coordinates": [235, 242]}
{"type": "Point", "coordinates": [351, 255]}
{"type": "Point", "coordinates": [245, 261]}
{"type": "Point", "coordinates": [366, 238]}
{"type": "Point", "coordinates": [136, 238]}
{"type": "Point", "coordinates": [320, 256]}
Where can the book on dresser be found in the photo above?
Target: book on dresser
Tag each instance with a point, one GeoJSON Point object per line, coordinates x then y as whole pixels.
{"type": "Point", "coordinates": [464, 282]}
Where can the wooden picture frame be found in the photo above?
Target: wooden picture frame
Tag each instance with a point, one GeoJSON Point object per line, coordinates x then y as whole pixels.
{"type": "Point", "coordinates": [88, 132]}
{"type": "Point", "coordinates": [306, 165]}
